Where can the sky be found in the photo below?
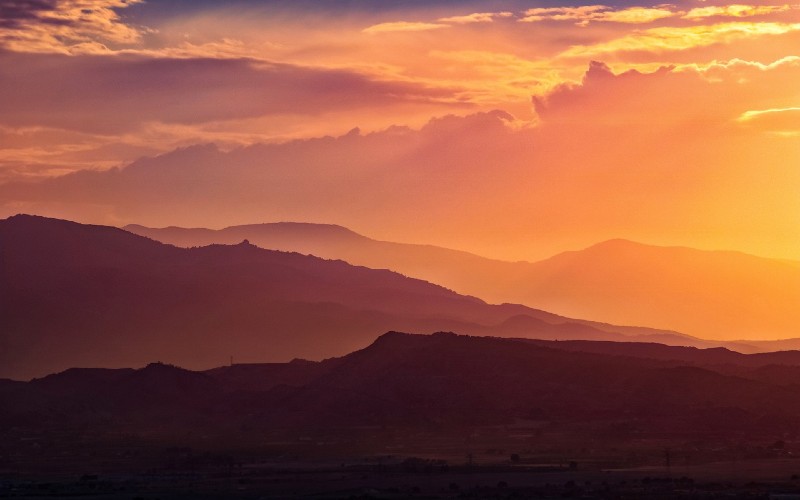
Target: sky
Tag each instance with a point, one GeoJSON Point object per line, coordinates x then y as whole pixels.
{"type": "Point", "coordinates": [512, 129]}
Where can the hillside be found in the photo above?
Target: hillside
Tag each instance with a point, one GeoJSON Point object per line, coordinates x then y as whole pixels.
{"type": "Point", "coordinates": [713, 295]}
{"type": "Point", "coordinates": [717, 295]}
{"type": "Point", "coordinates": [415, 416]}
{"type": "Point", "coordinates": [81, 295]}
{"type": "Point", "coordinates": [423, 380]}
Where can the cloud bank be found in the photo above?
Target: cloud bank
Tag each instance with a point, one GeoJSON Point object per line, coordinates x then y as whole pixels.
{"type": "Point", "coordinates": [635, 154]}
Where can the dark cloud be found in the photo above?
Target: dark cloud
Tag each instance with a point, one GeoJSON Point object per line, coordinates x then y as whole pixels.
{"type": "Point", "coordinates": [14, 11]}
{"type": "Point", "coordinates": [153, 10]}
{"type": "Point", "coordinates": [111, 94]}
{"type": "Point", "coordinates": [317, 5]}
{"type": "Point", "coordinates": [362, 176]}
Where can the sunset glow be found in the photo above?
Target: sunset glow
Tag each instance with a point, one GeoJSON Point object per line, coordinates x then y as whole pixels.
{"type": "Point", "coordinates": [514, 131]}
{"type": "Point", "coordinates": [399, 249]}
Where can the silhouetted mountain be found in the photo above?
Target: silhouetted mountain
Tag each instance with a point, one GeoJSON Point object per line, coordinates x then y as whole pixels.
{"type": "Point", "coordinates": [454, 377]}
{"type": "Point", "coordinates": [421, 381]}
{"type": "Point", "coordinates": [301, 237]}
{"type": "Point", "coordinates": [459, 270]}
{"type": "Point", "coordinates": [682, 354]}
{"type": "Point", "coordinates": [81, 295]}
{"type": "Point", "coordinates": [720, 295]}
{"type": "Point", "coordinates": [265, 376]}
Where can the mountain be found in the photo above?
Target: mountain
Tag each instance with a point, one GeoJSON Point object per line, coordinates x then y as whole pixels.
{"type": "Point", "coordinates": [459, 270]}
{"type": "Point", "coordinates": [84, 295]}
{"type": "Point", "coordinates": [716, 357]}
{"type": "Point", "coordinates": [420, 381]}
{"type": "Point", "coordinates": [460, 378]}
{"type": "Point", "coordinates": [708, 294]}
{"type": "Point", "coordinates": [719, 295]}
{"type": "Point", "coordinates": [413, 416]}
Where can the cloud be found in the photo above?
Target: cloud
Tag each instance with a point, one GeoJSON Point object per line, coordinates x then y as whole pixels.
{"type": "Point", "coordinates": [631, 154]}
{"type": "Point", "coordinates": [66, 26]}
{"type": "Point", "coordinates": [605, 99]}
{"type": "Point", "coordinates": [753, 115]}
{"type": "Point", "coordinates": [402, 26]}
{"type": "Point", "coordinates": [635, 15]}
{"type": "Point", "coordinates": [581, 13]}
{"type": "Point", "coordinates": [782, 121]}
{"type": "Point", "coordinates": [672, 96]}
{"type": "Point", "coordinates": [14, 14]}
{"type": "Point", "coordinates": [734, 10]}
{"type": "Point", "coordinates": [345, 176]}
{"type": "Point", "coordinates": [105, 94]}
{"type": "Point", "coordinates": [32, 152]}
{"type": "Point", "coordinates": [615, 146]}
{"type": "Point", "coordinates": [676, 38]}
{"type": "Point", "coordinates": [586, 14]}
{"type": "Point", "coordinates": [477, 17]}
{"type": "Point", "coordinates": [733, 64]}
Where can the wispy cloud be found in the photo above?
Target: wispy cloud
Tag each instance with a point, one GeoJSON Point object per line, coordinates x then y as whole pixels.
{"type": "Point", "coordinates": [783, 122]}
{"type": "Point", "coordinates": [635, 15]}
{"type": "Point", "coordinates": [586, 14]}
{"type": "Point", "coordinates": [443, 22]}
{"type": "Point", "coordinates": [669, 38]}
{"type": "Point", "coordinates": [736, 62]}
{"type": "Point", "coordinates": [735, 10]}
{"type": "Point", "coordinates": [402, 26]}
{"type": "Point", "coordinates": [477, 17]}
{"type": "Point", "coordinates": [748, 116]}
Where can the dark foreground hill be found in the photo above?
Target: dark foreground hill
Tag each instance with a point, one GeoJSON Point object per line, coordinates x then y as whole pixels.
{"type": "Point", "coordinates": [425, 382]}
{"type": "Point", "coordinates": [81, 295]}
{"type": "Point", "coordinates": [427, 416]}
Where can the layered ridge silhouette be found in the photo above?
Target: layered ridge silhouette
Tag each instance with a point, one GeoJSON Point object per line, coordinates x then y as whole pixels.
{"type": "Point", "coordinates": [426, 381]}
{"type": "Point", "coordinates": [83, 295]}
{"type": "Point", "coordinates": [719, 295]}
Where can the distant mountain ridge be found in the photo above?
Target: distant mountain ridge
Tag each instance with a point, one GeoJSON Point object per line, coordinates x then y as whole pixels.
{"type": "Point", "coordinates": [715, 294]}
{"type": "Point", "coordinates": [82, 295]}
{"type": "Point", "coordinates": [709, 294]}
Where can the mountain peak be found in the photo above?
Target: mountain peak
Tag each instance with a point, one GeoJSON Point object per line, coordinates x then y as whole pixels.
{"type": "Point", "coordinates": [33, 219]}
{"type": "Point", "coordinates": [393, 336]}
{"type": "Point", "coordinates": [299, 228]}
{"type": "Point", "coordinates": [618, 243]}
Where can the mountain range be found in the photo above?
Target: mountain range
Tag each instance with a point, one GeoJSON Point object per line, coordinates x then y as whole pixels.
{"type": "Point", "coordinates": [82, 295]}
{"type": "Point", "coordinates": [709, 294]}
{"type": "Point", "coordinates": [425, 381]}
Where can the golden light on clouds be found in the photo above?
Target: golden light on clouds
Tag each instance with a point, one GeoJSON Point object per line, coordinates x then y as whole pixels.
{"type": "Point", "coordinates": [735, 10]}
{"type": "Point", "coordinates": [783, 122]}
{"type": "Point", "coordinates": [477, 17]}
{"type": "Point", "coordinates": [581, 13]}
{"type": "Point", "coordinates": [636, 15]}
{"type": "Point", "coordinates": [752, 115]}
{"type": "Point", "coordinates": [540, 125]}
{"type": "Point", "coordinates": [72, 26]}
{"type": "Point", "coordinates": [664, 39]}
{"type": "Point", "coordinates": [402, 26]}
{"type": "Point", "coordinates": [732, 64]}
{"type": "Point", "coordinates": [584, 15]}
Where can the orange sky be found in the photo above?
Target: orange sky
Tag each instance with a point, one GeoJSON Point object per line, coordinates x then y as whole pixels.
{"type": "Point", "coordinates": [510, 129]}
